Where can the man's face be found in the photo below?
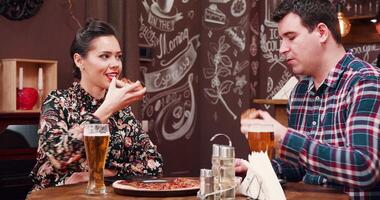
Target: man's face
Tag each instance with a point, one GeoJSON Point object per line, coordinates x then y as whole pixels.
{"type": "Point", "coordinates": [299, 46]}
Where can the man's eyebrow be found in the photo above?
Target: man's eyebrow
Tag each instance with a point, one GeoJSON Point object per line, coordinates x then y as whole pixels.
{"type": "Point", "coordinates": [288, 33]}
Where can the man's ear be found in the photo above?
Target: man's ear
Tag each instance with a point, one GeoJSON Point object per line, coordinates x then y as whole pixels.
{"type": "Point", "coordinates": [323, 31]}
{"type": "Point", "coordinates": [78, 60]}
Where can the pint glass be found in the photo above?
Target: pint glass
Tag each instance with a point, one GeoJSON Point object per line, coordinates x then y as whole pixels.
{"type": "Point", "coordinates": [96, 138]}
{"type": "Point", "coordinates": [261, 138]}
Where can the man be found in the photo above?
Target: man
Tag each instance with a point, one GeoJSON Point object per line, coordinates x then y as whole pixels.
{"type": "Point", "coordinates": [333, 136]}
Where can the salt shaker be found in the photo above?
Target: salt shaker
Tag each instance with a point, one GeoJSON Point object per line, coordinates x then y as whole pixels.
{"type": "Point", "coordinates": [206, 183]}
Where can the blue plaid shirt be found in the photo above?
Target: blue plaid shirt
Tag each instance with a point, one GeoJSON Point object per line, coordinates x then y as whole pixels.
{"type": "Point", "coordinates": [334, 131]}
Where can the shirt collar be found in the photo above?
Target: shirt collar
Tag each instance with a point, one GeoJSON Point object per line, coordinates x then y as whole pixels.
{"type": "Point", "coordinates": [87, 98]}
{"type": "Point", "coordinates": [334, 75]}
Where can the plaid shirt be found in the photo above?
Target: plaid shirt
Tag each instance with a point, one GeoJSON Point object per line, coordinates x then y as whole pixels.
{"type": "Point", "coordinates": [334, 131]}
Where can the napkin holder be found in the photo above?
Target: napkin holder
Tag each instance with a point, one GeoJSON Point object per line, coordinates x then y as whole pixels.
{"type": "Point", "coordinates": [261, 181]}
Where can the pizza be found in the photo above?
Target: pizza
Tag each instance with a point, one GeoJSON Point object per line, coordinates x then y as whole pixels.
{"type": "Point", "coordinates": [125, 80]}
{"type": "Point", "coordinates": [161, 184]}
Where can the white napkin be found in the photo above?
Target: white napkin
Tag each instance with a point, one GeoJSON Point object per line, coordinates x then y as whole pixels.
{"type": "Point", "coordinates": [261, 181]}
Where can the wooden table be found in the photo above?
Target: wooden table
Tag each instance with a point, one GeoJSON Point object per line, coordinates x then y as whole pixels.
{"type": "Point", "coordinates": [293, 191]}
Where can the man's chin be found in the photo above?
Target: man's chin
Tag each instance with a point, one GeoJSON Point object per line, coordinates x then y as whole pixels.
{"type": "Point", "coordinates": [296, 70]}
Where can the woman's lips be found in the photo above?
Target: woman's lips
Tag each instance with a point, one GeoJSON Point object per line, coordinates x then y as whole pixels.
{"type": "Point", "coordinates": [110, 76]}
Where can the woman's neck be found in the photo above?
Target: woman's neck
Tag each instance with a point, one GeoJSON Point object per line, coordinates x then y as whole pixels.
{"type": "Point", "coordinates": [94, 91]}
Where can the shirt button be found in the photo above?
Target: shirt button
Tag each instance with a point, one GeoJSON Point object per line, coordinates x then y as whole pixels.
{"type": "Point", "coordinates": [317, 98]}
{"type": "Point", "coordinates": [314, 123]}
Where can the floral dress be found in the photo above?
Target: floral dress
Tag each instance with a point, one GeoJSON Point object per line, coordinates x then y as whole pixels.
{"type": "Point", "coordinates": [61, 149]}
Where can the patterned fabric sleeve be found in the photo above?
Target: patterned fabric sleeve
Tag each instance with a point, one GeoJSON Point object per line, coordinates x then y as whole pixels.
{"type": "Point", "coordinates": [357, 164]}
{"type": "Point", "coordinates": [62, 145]}
{"type": "Point", "coordinates": [140, 156]}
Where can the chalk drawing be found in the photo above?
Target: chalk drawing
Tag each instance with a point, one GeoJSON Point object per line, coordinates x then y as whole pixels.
{"type": "Point", "coordinates": [190, 14]}
{"type": "Point", "coordinates": [270, 5]}
{"type": "Point", "coordinates": [269, 50]}
{"type": "Point", "coordinates": [238, 8]}
{"type": "Point", "coordinates": [255, 67]}
{"type": "Point", "coordinates": [214, 18]}
{"type": "Point", "coordinates": [253, 87]}
{"type": "Point", "coordinates": [240, 67]}
{"type": "Point", "coordinates": [237, 36]}
{"type": "Point", "coordinates": [365, 52]}
{"type": "Point", "coordinates": [221, 68]}
{"type": "Point", "coordinates": [183, 111]}
{"type": "Point", "coordinates": [219, 1]}
{"type": "Point", "coordinates": [240, 82]}
{"type": "Point", "coordinates": [161, 15]}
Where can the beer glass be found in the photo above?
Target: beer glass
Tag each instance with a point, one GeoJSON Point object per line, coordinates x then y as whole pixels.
{"type": "Point", "coordinates": [261, 138]}
{"type": "Point", "coordinates": [96, 138]}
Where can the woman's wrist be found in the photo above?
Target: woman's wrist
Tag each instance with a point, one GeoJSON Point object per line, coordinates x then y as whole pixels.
{"type": "Point", "coordinates": [103, 114]}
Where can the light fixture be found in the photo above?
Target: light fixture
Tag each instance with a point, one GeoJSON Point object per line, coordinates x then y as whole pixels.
{"type": "Point", "coordinates": [344, 23]}
{"type": "Point", "coordinates": [377, 23]}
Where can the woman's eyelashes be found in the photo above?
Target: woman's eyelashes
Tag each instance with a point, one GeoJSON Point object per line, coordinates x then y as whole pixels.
{"type": "Point", "coordinates": [107, 56]}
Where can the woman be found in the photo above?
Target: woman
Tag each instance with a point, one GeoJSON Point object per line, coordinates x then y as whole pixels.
{"type": "Point", "coordinates": [97, 98]}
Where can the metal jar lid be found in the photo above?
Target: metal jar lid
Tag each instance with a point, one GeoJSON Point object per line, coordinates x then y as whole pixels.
{"type": "Point", "coordinates": [227, 151]}
{"type": "Point", "coordinates": [206, 173]}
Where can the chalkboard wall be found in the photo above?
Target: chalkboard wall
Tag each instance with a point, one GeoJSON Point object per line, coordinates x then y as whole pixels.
{"type": "Point", "coordinates": [209, 60]}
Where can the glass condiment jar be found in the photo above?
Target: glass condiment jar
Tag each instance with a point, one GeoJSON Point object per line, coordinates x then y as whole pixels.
{"type": "Point", "coordinates": [223, 167]}
{"type": "Point", "coordinates": [206, 184]}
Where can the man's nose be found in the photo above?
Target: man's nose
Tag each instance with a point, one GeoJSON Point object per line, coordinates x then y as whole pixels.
{"type": "Point", "coordinates": [284, 48]}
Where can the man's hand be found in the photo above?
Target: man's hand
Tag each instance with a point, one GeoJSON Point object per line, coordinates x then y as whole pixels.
{"type": "Point", "coordinates": [252, 117]}
{"type": "Point", "coordinates": [279, 129]}
{"type": "Point", "coordinates": [240, 167]}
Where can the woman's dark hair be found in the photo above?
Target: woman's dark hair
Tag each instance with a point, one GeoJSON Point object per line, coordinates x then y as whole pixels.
{"type": "Point", "coordinates": [311, 13]}
{"type": "Point", "coordinates": [81, 44]}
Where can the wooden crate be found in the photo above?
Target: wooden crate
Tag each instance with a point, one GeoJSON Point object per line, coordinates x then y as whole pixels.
{"type": "Point", "coordinates": [9, 74]}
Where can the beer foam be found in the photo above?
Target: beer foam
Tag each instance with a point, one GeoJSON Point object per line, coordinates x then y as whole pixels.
{"type": "Point", "coordinates": [93, 134]}
{"type": "Point", "coordinates": [256, 127]}
{"type": "Point", "coordinates": [96, 130]}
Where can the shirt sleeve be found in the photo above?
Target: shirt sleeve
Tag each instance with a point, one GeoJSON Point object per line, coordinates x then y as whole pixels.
{"type": "Point", "coordinates": [141, 157]}
{"type": "Point", "coordinates": [357, 163]}
{"type": "Point", "coordinates": [287, 171]}
{"type": "Point", "coordinates": [62, 145]}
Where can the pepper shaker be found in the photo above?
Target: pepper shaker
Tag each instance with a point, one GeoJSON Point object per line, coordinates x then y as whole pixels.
{"type": "Point", "coordinates": [206, 183]}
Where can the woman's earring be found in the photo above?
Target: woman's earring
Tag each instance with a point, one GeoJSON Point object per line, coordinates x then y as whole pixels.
{"type": "Point", "coordinates": [80, 67]}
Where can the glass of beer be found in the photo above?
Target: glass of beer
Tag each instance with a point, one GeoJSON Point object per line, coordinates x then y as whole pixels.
{"type": "Point", "coordinates": [261, 138]}
{"type": "Point", "coordinates": [96, 138]}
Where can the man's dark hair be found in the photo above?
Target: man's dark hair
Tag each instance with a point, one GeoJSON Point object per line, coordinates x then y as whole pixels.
{"type": "Point", "coordinates": [81, 44]}
{"type": "Point", "coordinates": [311, 13]}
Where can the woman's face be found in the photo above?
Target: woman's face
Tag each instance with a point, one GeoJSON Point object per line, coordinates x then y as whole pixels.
{"type": "Point", "coordinates": [101, 64]}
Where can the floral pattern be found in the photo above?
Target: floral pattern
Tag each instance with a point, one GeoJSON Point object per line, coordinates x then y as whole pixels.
{"type": "Point", "coordinates": [61, 149]}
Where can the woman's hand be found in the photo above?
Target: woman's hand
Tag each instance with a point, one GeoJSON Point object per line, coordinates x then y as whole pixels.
{"type": "Point", "coordinates": [119, 96]}
{"type": "Point", "coordinates": [80, 177]}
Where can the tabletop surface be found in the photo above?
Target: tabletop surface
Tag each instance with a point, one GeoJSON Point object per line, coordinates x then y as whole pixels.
{"type": "Point", "coordinates": [293, 191]}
